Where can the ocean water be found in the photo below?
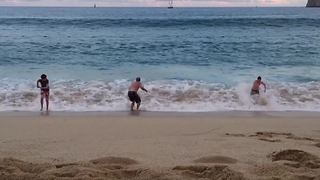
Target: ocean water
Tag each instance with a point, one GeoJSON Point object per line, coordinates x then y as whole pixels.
{"type": "Point", "coordinates": [190, 59]}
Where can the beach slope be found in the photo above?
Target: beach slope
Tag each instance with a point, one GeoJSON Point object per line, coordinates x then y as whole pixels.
{"type": "Point", "coordinates": [222, 145]}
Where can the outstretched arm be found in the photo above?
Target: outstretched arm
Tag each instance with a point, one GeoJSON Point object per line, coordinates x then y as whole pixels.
{"type": "Point", "coordinates": [38, 84]}
{"type": "Point", "coordinates": [264, 85]}
{"type": "Point", "coordinates": [141, 87]}
{"type": "Point", "coordinates": [144, 89]}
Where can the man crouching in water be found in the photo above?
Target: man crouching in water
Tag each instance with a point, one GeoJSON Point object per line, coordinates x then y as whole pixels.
{"type": "Point", "coordinates": [132, 93]}
{"type": "Point", "coordinates": [44, 90]}
{"type": "Point", "coordinates": [256, 86]}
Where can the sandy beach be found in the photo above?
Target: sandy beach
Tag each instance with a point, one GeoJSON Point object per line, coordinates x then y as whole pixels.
{"type": "Point", "coordinates": [145, 145]}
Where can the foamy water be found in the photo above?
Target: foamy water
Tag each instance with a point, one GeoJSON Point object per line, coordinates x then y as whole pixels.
{"type": "Point", "coordinates": [181, 96]}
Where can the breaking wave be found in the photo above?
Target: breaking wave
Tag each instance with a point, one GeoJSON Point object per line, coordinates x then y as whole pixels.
{"type": "Point", "coordinates": [169, 95]}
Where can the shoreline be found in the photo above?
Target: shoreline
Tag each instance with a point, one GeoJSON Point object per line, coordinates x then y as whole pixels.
{"type": "Point", "coordinates": [217, 114]}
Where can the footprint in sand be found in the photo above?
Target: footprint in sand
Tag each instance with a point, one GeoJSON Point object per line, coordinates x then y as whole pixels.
{"type": "Point", "coordinates": [11, 168]}
{"type": "Point", "coordinates": [281, 172]}
{"type": "Point", "coordinates": [269, 140]}
{"type": "Point", "coordinates": [305, 177]}
{"type": "Point", "coordinates": [298, 157]}
{"type": "Point", "coordinates": [289, 164]}
{"type": "Point", "coordinates": [216, 159]}
{"type": "Point", "coordinates": [15, 165]}
{"type": "Point", "coordinates": [272, 134]}
{"type": "Point", "coordinates": [270, 137]}
{"type": "Point", "coordinates": [114, 160]}
{"type": "Point", "coordinates": [271, 170]}
{"type": "Point", "coordinates": [302, 138]}
{"type": "Point", "coordinates": [209, 172]}
{"type": "Point", "coordinates": [235, 135]}
{"type": "Point", "coordinates": [102, 168]}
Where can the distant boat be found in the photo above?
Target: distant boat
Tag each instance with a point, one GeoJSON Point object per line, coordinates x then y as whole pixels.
{"type": "Point", "coordinates": [94, 6]}
{"type": "Point", "coordinates": [170, 4]}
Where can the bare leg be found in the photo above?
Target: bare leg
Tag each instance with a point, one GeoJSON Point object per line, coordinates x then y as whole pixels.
{"type": "Point", "coordinates": [41, 102]}
{"type": "Point", "coordinates": [47, 103]}
{"type": "Point", "coordinates": [138, 105]}
{"type": "Point", "coordinates": [132, 104]}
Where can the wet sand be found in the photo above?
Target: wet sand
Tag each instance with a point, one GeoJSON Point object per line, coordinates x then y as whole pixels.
{"type": "Point", "coordinates": [160, 145]}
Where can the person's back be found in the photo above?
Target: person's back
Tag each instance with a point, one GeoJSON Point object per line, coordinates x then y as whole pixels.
{"type": "Point", "coordinates": [135, 86]}
{"type": "Point", "coordinates": [132, 93]}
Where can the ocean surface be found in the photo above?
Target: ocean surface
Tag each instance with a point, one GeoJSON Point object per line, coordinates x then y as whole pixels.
{"type": "Point", "coordinates": [190, 59]}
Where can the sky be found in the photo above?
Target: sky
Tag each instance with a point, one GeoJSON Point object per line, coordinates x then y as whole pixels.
{"type": "Point", "coordinates": [154, 3]}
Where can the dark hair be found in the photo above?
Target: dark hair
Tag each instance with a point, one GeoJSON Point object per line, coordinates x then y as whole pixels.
{"type": "Point", "coordinates": [138, 79]}
{"type": "Point", "coordinates": [43, 76]}
{"type": "Point", "coordinates": [259, 78]}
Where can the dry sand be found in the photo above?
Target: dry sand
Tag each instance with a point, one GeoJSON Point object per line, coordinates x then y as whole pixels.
{"type": "Point", "coordinates": [223, 145]}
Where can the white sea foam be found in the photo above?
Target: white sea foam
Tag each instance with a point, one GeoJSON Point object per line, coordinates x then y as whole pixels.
{"type": "Point", "coordinates": [173, 95]}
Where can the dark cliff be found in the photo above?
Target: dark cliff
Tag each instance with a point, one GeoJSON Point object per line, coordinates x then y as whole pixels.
{"type": "Point", "coordinates": [313, 3]}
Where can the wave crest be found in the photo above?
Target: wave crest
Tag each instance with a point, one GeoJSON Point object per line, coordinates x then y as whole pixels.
{"type": "Point", "coordinates": [173, 95]}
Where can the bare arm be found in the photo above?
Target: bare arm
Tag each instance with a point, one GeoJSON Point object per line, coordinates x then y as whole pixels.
{"type": "Point", "coordinates": [144, 89]}
{"type": "Point", "coordinates": [264, 85]}
{"type": "Point", "coordinates": [38, 84]}
{"type": "Point", "coordinates": [141, 87]}
{"type": "Point", "coordinates": [46, 87]}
